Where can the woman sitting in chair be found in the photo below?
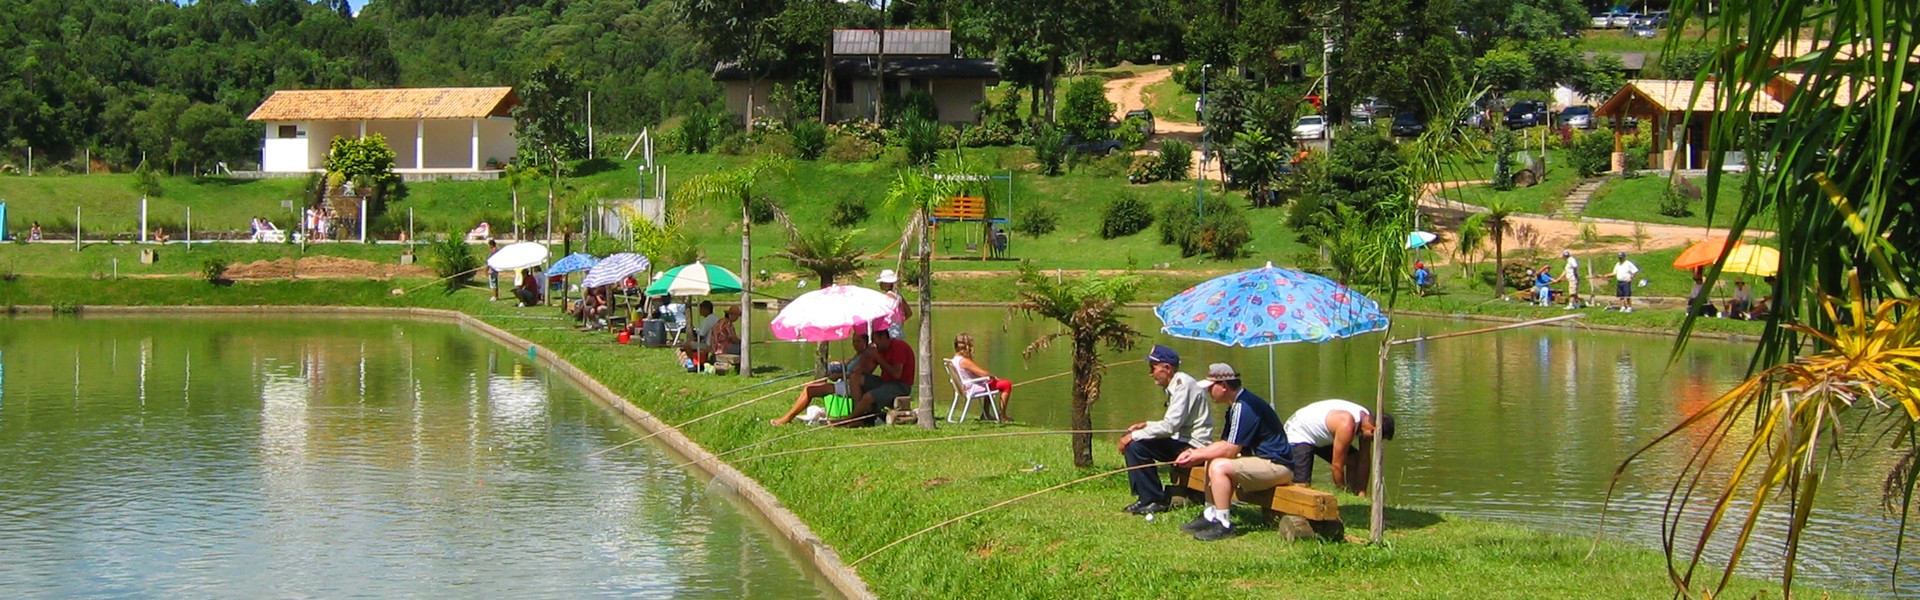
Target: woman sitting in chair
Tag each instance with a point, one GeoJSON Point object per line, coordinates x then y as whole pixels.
{"type": "Point", "coordinates": [963, 360]}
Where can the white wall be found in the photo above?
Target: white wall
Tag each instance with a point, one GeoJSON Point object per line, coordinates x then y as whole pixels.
{"type": "Point", "coordinates": [450, 144]}
{"type": "Point", "coordinates": [497, 141]}
{"type": "Point", "coordinates": [285, 155]}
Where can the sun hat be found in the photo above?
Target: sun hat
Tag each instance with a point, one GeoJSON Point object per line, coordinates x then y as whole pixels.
{"type": "Point", "coordinates": [888, 276]}
{"type": "Point", "coordinates": [1218, 372]}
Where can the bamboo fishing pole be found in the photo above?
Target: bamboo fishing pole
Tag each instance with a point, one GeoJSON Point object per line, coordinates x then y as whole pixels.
{"type": "Point", "coordinates": [1442, 336]}
{"type": "Point", "coordinates": [1001, 503]}
{"type": "Point", "coordinates": [768, 441]}
{"type": "Point", "coordinates": [696, 420]}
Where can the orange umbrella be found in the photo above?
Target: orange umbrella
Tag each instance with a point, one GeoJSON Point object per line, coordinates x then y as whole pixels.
{"type": "Point", "coordinates": [1701, 254]}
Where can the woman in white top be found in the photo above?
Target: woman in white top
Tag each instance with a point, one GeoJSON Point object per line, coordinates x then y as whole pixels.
{"type": "Point", "coordinates": [980, 379]}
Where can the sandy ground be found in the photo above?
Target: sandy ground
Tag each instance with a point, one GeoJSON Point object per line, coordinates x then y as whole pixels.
{"type": "Point", "coordinates": [1130, 93]}
{"type": "Point", "coordinates": [323, 267]}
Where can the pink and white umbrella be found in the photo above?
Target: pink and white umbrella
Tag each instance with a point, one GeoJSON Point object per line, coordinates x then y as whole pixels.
{"type": "Point", "coordinates": [836, 313]}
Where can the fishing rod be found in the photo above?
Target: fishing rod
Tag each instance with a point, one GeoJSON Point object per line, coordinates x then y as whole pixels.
{"type": "Point", "coordinates": [1070, 372]}
{"type": "Point", "coordinates": [941, 439]}
{"type": "Point", "coordinates": [772, 440]}
{"type": "Point", "coordinates": [1001, 503]}
{"type": "Point", "coordinates": [694, 420]}
{"type": "Point", "coordinates": [729, 393]}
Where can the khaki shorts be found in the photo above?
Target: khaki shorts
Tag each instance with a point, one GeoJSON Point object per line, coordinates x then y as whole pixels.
{"type": "Point", "coordinates": [1254, 474]}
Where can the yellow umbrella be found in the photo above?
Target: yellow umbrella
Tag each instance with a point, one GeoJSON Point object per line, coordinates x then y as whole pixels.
{"type": "Point", "coordinates": [1753, 260]}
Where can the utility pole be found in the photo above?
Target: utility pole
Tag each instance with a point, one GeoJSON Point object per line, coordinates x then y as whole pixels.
{"type": "Point", "coordinates": [589, 123]}
{"type": "Point", "coordinates": [1326, 75]}
{"type": "Point", "coordinates": [1206, 137]}
{"type": "Point", "coordinates": [880, 74]}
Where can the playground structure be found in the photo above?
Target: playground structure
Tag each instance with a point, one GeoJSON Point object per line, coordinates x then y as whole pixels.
{"type": "Point", "coordinates": [976, 217]}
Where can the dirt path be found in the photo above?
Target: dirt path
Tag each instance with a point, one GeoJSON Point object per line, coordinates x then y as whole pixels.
{"type": "Point", "coordinates": [1550, 235]}
{"type": "Point", "coordinates": [1130, 93]}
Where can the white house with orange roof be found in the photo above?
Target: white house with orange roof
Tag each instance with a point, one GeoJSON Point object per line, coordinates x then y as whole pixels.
{"type": "Point", "coordinates": [431, 130]}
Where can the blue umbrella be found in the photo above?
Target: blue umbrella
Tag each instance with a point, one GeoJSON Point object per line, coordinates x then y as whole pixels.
{"type": "Point", "coordinates": [1268, 306]}
{"type": "Point", "coordinates": [578, 261]}
{"type": "Point", "coordinates": [614, 268]}
{"type": "Point", "coordinates": [1420, 239]}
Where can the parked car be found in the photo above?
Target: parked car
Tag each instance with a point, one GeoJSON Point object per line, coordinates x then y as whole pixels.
{"type": "Point", "coordinates": [1143, 115]}
{"type": "Point", "coordinates": [1370, 108]}
{"type": "Point", "coordinates": [1526, 113]}
{"type": "Point", "coordinates": [1602, 21]}
{"type": "Point", "coordinates": [1577, 117]}
{"type": "Point", "coordinates": [1310, 127]}
{"type": "Point", "coordinates": [1645, 32]}
{"type": "Point", "coordinates": [1624, 19]}
{"type": "Point", "coordinates": [1655, 19]}
{"type": "Point", "coordinates": [1408, 124]}
{"type": "Point", "coordinates": [1475, 117]}
{"type": "Point", "coordinates": [1096, 148]}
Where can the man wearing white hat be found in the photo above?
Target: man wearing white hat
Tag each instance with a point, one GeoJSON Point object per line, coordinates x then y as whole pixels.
{"type": "Point", "coordinates": [1251, 454]}
{"type": "Point", "coordinates": [888, 281]}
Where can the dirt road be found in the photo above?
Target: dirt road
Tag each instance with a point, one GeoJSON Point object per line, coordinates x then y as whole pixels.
{"type": "Point", "coordinates": [1130, 93]}
{"type": "Point", "coordinates": [1550, 235]}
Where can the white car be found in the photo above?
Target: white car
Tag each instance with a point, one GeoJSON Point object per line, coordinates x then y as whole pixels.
{"type": "Point", "coordinates": [1310, 127]}
{"type": "Point", "coordinates": [1602, 21]}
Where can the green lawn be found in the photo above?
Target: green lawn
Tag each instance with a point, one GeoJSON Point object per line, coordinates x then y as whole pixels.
{"type": "Point", "coordinates": [1171, 101]}
{"type": "Point", "coordinates": [1638, 199]}
{"type": "Point", "coordinates": [1539, 199]}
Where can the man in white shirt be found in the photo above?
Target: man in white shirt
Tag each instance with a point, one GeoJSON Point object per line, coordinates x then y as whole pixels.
{"type": "Point", "coordinates": [1330, 429]}
{"type": "Point", "coordinates": [1188, 423]}
{"type": "Point", "coordinates": [1624, 273]}
{"type": "Point", "coordinates": [1571, 275]}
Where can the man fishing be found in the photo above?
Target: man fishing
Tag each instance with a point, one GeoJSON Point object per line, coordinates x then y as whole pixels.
{"type": "Point", "coordinates": [1187, 424]}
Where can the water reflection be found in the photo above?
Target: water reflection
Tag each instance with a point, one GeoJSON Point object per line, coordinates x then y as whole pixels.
{"type": "Point", "coordinates": [337, 458]}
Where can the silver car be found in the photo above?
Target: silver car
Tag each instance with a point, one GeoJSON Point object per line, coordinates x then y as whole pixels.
{"type": "Point", "coordinates": [1310, 127]}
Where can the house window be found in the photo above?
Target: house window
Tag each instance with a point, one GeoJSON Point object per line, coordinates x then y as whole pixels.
{"type": "Point", "coordinates": [843, 93]}
{"type": "Point", "coordinates": [289, 131]}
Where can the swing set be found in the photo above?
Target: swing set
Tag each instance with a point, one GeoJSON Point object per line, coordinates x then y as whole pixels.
{"type": "Point", "coordinates": [978, 218]}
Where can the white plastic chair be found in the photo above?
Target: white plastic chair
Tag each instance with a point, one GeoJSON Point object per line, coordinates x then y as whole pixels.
{"type": "Point", "coordinates": [960, 384]}
{"type": "Point", "coordinates": [676, 323]}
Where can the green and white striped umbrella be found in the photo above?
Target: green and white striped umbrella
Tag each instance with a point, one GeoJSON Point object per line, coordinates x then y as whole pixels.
{"type": "Point", "coordinates": [697, 279]}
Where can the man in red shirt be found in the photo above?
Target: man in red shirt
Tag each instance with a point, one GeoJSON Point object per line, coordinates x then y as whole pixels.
{"type": "Point", "coordinates": [894, 359]}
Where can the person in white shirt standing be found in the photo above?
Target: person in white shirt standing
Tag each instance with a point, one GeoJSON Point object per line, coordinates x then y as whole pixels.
{"type": "Point", "coordinates": [1331, 429]}
{"type": "Point", "coordinates": [1624, 273]}
{"type": "Point", "coordinates": [1571, 275]}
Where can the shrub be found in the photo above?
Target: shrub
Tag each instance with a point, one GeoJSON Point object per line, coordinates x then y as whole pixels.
{"type": "Point", "coordinates": [921, 138]}
{"type": "Point", "coordinates": [1126, 215]}
{"type": "Point", "coordinates": [1050, 149]}
{"type": "Point", "coordinates": [760, 209]}
{"type": "Point", "coordinates": [1085, 110]}
{"type": "Point", "coordinates": [771, 144]}
{"type": "Point", "coordinates": [1674, 201]}
{"type": "Point", "coordinates": [1503, 148]}
{"type": "Point", "coordinates": [1591, 153]}
{"type": "Point", "coordinates": [1176, 157]}
{"type": "Point", "coordinates": [986, 135]}
{"type": "Point", "coordinates": [1222, 234]}
{"type": "Point", "coordinates": [1111, 165]}
{"type": "Point", "coordinates": [809, 139]}
{"type": "Point", "coordinates": [847, 212]}
{"type": "Point", "coordinates": [1036, 221]}
{"type": "Point", "coordinates": [214, 270]}
{"type": "Point", "coordinates": [1145, 169]}
{"type": "Point", "coordinates": [605, 246]}
{"type": "Point", "coordinates": [453, 261]}
{"type": "Point", "coordinates": [696, 134]}
{"type": "Point", "coordinates": [1638, 148]}
{"type": "Point", "coordinates": [1132, 133]}
{"type": "Point", "coordinates": [915, 105]}
{"type": "Point", "coordinates": [847, 148]}
{"type": "Point", "coordinates": [147, 182]}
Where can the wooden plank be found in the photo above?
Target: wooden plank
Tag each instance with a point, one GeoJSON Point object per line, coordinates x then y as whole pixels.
{"type": "Point", "coordinates": [1298, 500]}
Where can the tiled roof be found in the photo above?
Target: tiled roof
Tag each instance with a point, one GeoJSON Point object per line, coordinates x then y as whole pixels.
{"type": "Point", "coordinates": [1678, 96]}
{"type": "Point", "coordinates": [389, 104]}
{"type": "Point", "coordinates": [916, 42]}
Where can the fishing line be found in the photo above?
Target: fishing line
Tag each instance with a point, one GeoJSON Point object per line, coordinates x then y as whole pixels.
{"type": "Point", "coordinates": [941, 439]}
{"type": "Point", "coordinates": [769, 441]}
{"type": "Point", "coordinates": [695, 420]}
{"type": "Point", "coordinates": [1001, 503]}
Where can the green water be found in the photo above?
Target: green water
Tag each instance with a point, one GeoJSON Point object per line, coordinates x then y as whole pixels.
{"type": "Point", "coordinates": [1523, 426]}
{"type": "Point", "coordinates": [254, 458]}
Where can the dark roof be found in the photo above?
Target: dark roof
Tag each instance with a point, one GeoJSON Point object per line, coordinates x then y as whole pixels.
{"type": "Point", "coordinates": [911, 42]}
{"type": "Point", "coordinates": [863, 68]}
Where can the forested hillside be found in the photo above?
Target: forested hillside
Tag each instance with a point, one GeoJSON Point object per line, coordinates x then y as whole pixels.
{"type": "Point", "coordinates": [131, 80]}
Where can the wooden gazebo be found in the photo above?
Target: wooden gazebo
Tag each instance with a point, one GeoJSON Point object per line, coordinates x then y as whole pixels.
{"type": "Point", "coordinates": [1679, 113]}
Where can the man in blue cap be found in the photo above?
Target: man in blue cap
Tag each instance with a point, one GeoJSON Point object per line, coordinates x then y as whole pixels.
{"type": "Point", "coordinates": [1187, 424]}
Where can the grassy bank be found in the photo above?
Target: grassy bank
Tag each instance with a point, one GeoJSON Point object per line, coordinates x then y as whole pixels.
{"type": "Point", "coordinates": [1056, 545]}
{"type": "Point", "coordinates": [1638, 199]}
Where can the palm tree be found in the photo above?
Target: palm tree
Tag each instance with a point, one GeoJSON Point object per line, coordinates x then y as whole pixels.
{"type": "Point", "coordinates": [1467, 241]}
{"type": "Point", "coordinates": [1497, 213]}
{"type": "Point", "coordinates": [515, 176]}
{"type": "Point", "coordinates": [1838, 189]}
{"type": "Point", "coordinates": [1088, 310]}
{"type": "Point", "coordinates": [828, 253]}
{"type": "Point", "coordinates": [729, 186]}
{"type": "Point", "coordinates": [920, 194]}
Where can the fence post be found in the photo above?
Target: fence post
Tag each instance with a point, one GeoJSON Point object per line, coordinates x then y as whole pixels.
{"type": "Point", "coordinates": [363, 220]}
{"type": "Point", "coordinates": [143, 219]}
{"type": "Point", "coordinates": [189, 232]}
{"type": "Point", "coordinates": [76, 229]}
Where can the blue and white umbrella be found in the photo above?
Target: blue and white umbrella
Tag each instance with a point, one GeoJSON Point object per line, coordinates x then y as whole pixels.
{"type": "Point", "coordinates": [578, 261]}
{"type": "Point", "coordinates": [1420, 239]}
{"type": "Point", "coordinates": [614, 268]}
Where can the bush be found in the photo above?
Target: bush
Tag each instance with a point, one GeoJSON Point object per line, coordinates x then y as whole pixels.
{"type": "Point", "coordinates": [1085, 110]}
{"type": "Point", "coordinates": [1126, 215]}
{"type": "Point", "coordinates": [846, 149]}
{"type": "Point", "coordinates": [605, 246]}
{"type": "Point", "coordinates": [1591, 153]}
{"type": "Point", "coordinates": [1223, 234]}
{"type": "Point", "coordinates": [453, 261]}
{"type": "Point", "coordinates": [1132, 133]}
{"type": "Point", "coordinates": [915, 105]}
{"type": "Point", "coordinates": [1050, 149]}
{"type": "Point", "coordinates": [847, 212]}
{"type": "Point", "coordinates": [986, 135]}
{"type": "Point", "coordinates": [760, 209]}
{"type": "Point", "coordinates": [214, 270]}
{"type": "Point", "coordinates": [1674, 201]}
{"type": "Point", "coordinates": [1503, 148]}
{"type": "Point", "coordinates": [1145, 169]}
{"type": "Point", "coordinates": [1036, 221]}
{"type": "Point", "coordinates": [696, 133]}
{"type": "Point", "coordinates": [1176, 157]}
{"type": "Point", "coordinates": [1111, 165]}
{"type": "Point", "coordinates": [809, 139]}
{"type": "Point", "coordinates": [921, 138]}
{"type": "Point", "coordinates": [147, 182]}
{"type": "Point", "coordinates": [1638, 148]}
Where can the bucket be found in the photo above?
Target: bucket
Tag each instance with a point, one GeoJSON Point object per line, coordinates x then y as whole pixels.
{"type": "Point", "coordinates": [625, 337]}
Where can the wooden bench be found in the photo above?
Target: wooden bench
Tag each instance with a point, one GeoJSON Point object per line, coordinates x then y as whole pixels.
{"type": "Point", "coordinates": [961, 208]}
{"type": "Point", "coordinates": [1304, 512]}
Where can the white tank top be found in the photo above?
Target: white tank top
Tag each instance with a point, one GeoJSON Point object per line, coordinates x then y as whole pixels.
{"type": "Point", "coordinates": [1309, 424]}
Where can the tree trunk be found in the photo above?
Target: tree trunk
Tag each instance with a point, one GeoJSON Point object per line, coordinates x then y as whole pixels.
{"type": "Point", "coordinates": [746, 281]}
{"type": "Point", "coordinates": [923, 410]}
{"type": "Point", "coordinates": [1048, 91]}
{"type": "Point", "coordinates": [1499, 268]}
{"type": "Point", "coordinates": [1086, 379]}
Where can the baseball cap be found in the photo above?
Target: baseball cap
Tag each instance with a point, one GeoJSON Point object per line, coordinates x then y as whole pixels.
{"type": "Point", "coordinates": [1218, 372]}
{"type": "Point", "coordinates": [835, 368]}
{"type": "Point", "coordinates": [1163, 354]}
{"type": "Point", "coordinates": [888, 276]}
{"type": "Point", "coordinates": [1623, 255]}
{"type": "Point", "coordinates": [1566, 253]}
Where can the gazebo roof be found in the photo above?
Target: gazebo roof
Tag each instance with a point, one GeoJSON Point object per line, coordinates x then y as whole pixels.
{"type": "Point", "coordinates": [1670, 96]}
{"type": "Point", "coordinates": [405, 104]}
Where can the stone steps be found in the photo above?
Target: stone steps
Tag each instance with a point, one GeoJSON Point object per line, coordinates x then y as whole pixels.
{"type": "Point", "coordinates": [1576, 201]}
